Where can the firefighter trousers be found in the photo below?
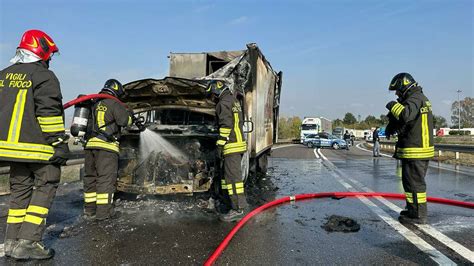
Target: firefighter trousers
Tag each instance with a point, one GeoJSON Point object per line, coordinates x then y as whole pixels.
{"type": "Point", "coordinates": [100, 179]}
{"type": "Point", "coordinates": [232, 181]}
{"type": "Point", "coordinates": [413, 179]}
{"type": "Point", "coordinates": [33, 188]}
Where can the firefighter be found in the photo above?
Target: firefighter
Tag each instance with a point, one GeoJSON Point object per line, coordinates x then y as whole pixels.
{"type": "Point", "coordinates": [411, 117]}
{"type": "Point", "coordinates": [231, 146]}
{"type": "Point", "coordinates": [102, 153]}
{"type": "Point", "coordinates": [33, 141]}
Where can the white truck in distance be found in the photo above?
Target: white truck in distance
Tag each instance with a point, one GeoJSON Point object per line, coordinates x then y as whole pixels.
{"type": "Point", "coordinates": [314, 125]}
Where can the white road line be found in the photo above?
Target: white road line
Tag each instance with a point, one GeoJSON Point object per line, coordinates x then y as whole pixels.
{"type": "Point", "coordinates": [431, 165]}
{"type": "Point", "coordinates": [434, 254]}
{"type": "Point", "coordinates": [285, 146]}
{"type": "Point", "coordinates": [2, 252]}
{"type": "Point", "coordinates": [316, 153]}
{"type": "Point", "coordinates": [364, 149]}
{"type": "Point", "coordinates": [450, 243]}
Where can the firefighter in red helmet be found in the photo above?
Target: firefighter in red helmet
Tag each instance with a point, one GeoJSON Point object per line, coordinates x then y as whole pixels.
{"type": "Point", "coordinates": [32, 141]}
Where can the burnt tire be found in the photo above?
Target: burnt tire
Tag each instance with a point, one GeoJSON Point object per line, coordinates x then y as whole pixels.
{"type": "Point", "coordinates": [262, 164]}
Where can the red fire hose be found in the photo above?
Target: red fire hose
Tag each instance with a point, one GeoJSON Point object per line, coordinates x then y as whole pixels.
{"type": "Point", "coordinates": [89, 97]}
{"type": "Point", "coordinates": [215, 255]}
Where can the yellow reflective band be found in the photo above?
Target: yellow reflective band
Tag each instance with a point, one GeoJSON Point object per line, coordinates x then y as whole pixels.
{"type": "Point", "coordinates": [101, 120]}
{"type": "Point", "coordinates": [234, 150]}
{"type": "Point", "coordinates": [425, 135]}
{"type": "Point", "coordinates": [25, 155]}
{"type": "Point", "coordinates": [102, 198]}
{"type": "Point", "coordinates": [98, 143]}
{"type": "Point", "coordinates": [224, 135]}
{"type": "Point", "coordinates": [239, 185]}
{"type": "Point", "coordinates": [235, 145]}
{"type": "Point", "coordinates": [240, 190]}
{"type": "Point", "coordinates": [224, 130]}
{"type": "Point", "coordinates": [230, 192]}
{"type": "Point", "coordinates": [421, 197]}
{"type": "Point", "coordinates": [37, 209]}
{"type": "Point", "coordinates": [23, 146]}
{"type": "Point", "coordinates": [15, 220]}
{"type": "Point", "coordinates": [409, 197]}
{"type": "Point", "coordinates": [130, 121]}
{"type": "Point", "coordinates": [50, 120]}
{"type": "Point", "coordinates": [415, 153]}
{"type": "Point", "coordinates": [238, 134]}
{"type": "Point", "coordinates": [221, 142]}
{"type": "Point", "coordinates": [102, 201]}
{"type": "Point", "coordinates": [90, 197]}
{"type": "Point", "coordinates": [397, 109]}
{"type": "Point", "coordinates": [17, 116]}
{"type": "Point", "coordinates": [415, 150]}
{"type": "Point", "coordinates": [16, 212]}
{"type": "Point", "coordinates": [34, 219]}
{"type": "Point", "coordinates": [52, 128]}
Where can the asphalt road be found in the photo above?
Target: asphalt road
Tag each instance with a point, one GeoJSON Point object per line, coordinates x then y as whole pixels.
{"type": "Point", "coordinates": [179, 230]}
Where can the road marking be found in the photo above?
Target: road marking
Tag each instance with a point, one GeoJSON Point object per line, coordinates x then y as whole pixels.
{"type": "Point", "coordinates": [2, 251]}
{"type": "Point", "coordinates": [364, 149]}
{"type": "Point", "coordinates": [431, 165]}
{"type": "Point", "coordinates": [316, 153]}
{"type": "Point", "coordinates": [430, 230]}
{"type": "Point", "coordinates": [434, 254]}
{"type": "Point", "coordinates": [285, 146]}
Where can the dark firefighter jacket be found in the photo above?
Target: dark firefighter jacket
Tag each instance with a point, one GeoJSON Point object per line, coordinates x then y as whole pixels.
{"type": "Point", "coordinates": [413, 119]}
{"type": "Point", "coordinates": [230, 121]}
{"type": "Point", "coordinates": [31, 113]}
{"type": "Point", "coordinates": [108, 116]}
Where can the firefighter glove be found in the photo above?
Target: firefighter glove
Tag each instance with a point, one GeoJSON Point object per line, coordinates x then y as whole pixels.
{"type": "Point", "coordinates": [390, 105]}
{"type": "Point", "coordinates": [60, 156]}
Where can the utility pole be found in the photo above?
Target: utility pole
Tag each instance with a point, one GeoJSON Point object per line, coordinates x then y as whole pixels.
{"type": "Point", "coordinates": [459, 111]}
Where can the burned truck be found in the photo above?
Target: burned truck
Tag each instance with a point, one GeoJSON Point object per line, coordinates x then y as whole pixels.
{"type": "Point", "coordinates": [177, 151]}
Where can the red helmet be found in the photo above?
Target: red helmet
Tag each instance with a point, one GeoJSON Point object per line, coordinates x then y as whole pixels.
{"type": "Point", "coordinates": [39, 43]}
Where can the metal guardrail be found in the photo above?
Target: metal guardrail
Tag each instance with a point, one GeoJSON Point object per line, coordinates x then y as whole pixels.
{"type": "Point", "coordinates": [444, 147]}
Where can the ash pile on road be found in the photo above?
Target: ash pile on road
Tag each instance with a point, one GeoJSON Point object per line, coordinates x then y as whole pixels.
{"type": "Point", "coordinates": [338, 223]}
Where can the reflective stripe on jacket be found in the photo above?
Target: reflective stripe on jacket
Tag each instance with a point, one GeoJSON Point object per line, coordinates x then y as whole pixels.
{"type": "Point", "coordinates": [108, 118]}
{"type": "Point", "coordinates": [31, 112]}
{"type": "Point", "coordinates": [230, 121]}
{"type": "Point", "coordinates": [414, 113]}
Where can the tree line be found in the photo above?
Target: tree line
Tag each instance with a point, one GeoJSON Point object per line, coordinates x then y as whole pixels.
{"type": "Point", "coordinates": [289, 127]}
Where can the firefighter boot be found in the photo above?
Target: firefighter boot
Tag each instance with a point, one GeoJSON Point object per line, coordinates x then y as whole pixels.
{"type": "Point", "coordinates": [29, 249]}
{"type": "Point", "coordinates": [89, 211]}
{"type": "Point", "coordinates": [8, 246]}
{"type": "Point", "coordinates": [232, 216]}
{"type": "Point", "coordinates": [106, 212]}
{"type": "Point", "coordinates": [417, 216]}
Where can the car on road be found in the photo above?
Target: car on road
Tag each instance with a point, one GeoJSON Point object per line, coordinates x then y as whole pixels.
{"type": "Point", "coordinates": [308, 138]}
{"type": "Point", "coordinates": [327, 141]}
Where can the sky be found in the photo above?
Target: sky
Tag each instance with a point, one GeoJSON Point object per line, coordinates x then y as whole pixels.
{"type": "Point", "coordinates": [336, 56]}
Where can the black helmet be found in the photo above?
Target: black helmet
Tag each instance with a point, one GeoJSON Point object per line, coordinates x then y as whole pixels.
{"type": "Point", "coordinates": [113, 87]}
{"type": "Point", "coordinates": [216, 87]}
{"type": "Point", "coordinates": [402, 82]}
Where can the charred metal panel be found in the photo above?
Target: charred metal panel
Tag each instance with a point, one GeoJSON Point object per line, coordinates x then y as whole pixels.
{"type": "Point", "coordinates": [188, 65]}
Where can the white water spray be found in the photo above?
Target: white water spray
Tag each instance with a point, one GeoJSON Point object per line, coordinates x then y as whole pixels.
{"type": "Point", "coordinates": [151, 141]}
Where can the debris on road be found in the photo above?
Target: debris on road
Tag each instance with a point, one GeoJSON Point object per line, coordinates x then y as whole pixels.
{"type": "Point", "coordinates": [338, 223]}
